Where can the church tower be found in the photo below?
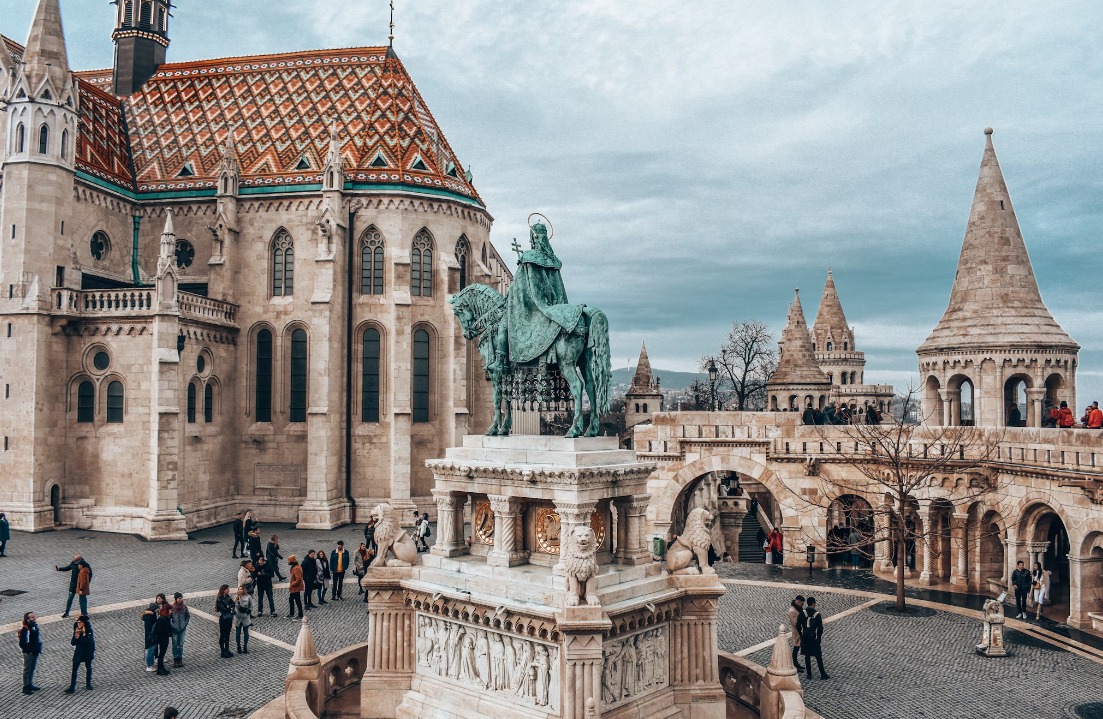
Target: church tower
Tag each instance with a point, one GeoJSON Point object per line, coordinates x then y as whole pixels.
{"type": "Point", "coordinates": [833, 340]}
{"type": "Point", "coordinates": [141, 40]}
{"type": "Point", "coordinates": [644, 398]}
{"type": "Point", "coordinates": [997, 345]}
{"type": "Point", "coordinates": [797, 380]}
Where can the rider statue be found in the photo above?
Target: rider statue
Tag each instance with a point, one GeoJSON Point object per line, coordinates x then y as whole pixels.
{"type": "Point", "coordinates": [536, 306]}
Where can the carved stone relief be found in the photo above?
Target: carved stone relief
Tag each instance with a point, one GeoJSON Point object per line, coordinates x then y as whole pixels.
{"type": "Point", "coordinates": [484, 523]}
{"type": "Point", "coordinates": [508, 667]}
{"type": "Point", "coordinates": [633, 666]}
{"type": "Point", "coordinates": [547, 529]}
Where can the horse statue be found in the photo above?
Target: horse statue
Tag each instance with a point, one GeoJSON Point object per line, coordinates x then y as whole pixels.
{"type": "Point", "coordinates": [582, 355]}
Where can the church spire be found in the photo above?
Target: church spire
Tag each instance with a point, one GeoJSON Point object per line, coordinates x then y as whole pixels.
{"type": "Point", "coordinates": [643, 378]}
{"type": "Point", "coordinates": [46, 56]}
{"type": "Point", "coordinates": [995, 300]}
{"type": "Point", "coordinates": [796, 360]}
{"type": "Point", "coordinates": [830, 314]}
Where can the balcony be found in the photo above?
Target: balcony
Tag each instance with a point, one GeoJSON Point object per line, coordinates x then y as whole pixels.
{"type": "Point", "coordinates": [136, 302]}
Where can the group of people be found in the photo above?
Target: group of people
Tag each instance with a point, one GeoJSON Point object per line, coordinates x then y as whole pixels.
{"type": "Point", "coordinates": [773, 545]}
{"type": "Point", "coordinates": [844, 545]}
{"type": "Point", "coordinates": [845, 414]}
{"type": "Point", "coordinates": [806, 626]}
{"type": "Point", "coordinates": [1032, 584]}
{"type": "Point", "coordinates": [83, 640]}
{"type": "Point", "coordinates": [1059, 416]}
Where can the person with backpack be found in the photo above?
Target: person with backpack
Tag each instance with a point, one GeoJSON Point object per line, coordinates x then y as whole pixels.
{"type": "Point", "coordinates": [30, 643]}
{"type": "Point", "coordinates": [810, 624]}
{"type": "Point", "coordinates": [426, 532]}
{"type": "Point", "coordinates": [1065, 417]}
{"type": "Point", "coordinates": [224, 608]}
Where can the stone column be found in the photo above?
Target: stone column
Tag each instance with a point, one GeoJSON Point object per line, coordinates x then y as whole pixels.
{"type": "Point", "coordinates": [947, 397]}
{"type": "Point", "coordinates": [1036, 552]}
{"type": "Point", "coordinates": [959, 569]}
{"type": "Point", "coordinates": [572, 514]}
{"type": "Point", "coordinates": [391, 637]}
{"type": "Point", "coordinates": [506, 551]}
{"type": "Point", "coordinates": [450, 541]}
{"type": "Point", "coordinates": [631, 516]}
{"type": "Point", "coordinates": [1034, 397]}
{"type": "Point", "coordinates": [1013, 549]}
{"type": "Point", "coordinates": [1085, 583]}
{"type": "Point", "coordinates": [583, 629]}
{"type": "Point", "coordinates": [694, 673]}
{"type": "Point", "coordinates": [732, 512]}
{"type": "Point", "coordinates": [926, 541]}
{"type": "Point", "coordinates": [883, 530]}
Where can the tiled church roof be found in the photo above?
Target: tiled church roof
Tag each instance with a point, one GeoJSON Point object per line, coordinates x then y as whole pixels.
{"type": "Point", "coordinates": [281, 108]}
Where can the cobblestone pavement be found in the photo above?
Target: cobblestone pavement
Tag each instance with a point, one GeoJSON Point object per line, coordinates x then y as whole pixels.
{"type": "Point", "coordinates": [881, 665]}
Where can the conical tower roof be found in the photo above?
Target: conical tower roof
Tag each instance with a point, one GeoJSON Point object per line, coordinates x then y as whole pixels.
{"type": "Point", "coordinates": [796, 362]}
{"type": "Point", "coordinates": [643, 379]}
{"type": "Point", "coordinates": [830, 314]}
{"type": "Point", "coordinates": [46, 54]}
{"type": "Point", "coordinates": [995, 300]}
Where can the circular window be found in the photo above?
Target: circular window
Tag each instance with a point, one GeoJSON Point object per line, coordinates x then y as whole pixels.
{"type": "Point", "coordinates": [101, 361]}
{"type": "Point", "coordinates": [99, 245]}
{"type": "Point", "coordinates": [185, 254]}
{"type": "Point", "coordinates": [200, 364]}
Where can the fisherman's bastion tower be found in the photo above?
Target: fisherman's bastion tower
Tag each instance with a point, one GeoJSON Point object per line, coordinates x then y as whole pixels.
{"type": "Point", "coordinates": [225, 284]}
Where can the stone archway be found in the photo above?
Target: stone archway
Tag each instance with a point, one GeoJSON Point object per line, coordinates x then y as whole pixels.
{"type": "Point", "coordinates": [1044, 538]}
{"type": "Point", "coordinates": [1086, 575]}
{"type": "Point", "coordinates": [848, 514]}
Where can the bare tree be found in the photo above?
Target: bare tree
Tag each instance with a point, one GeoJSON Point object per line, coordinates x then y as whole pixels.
{"type": "Point", "coordinates": [699, 395]}
{"type": "Point", "coordinates": [903, 463]}
{"type": "Point", "coordinates": [746, 359]}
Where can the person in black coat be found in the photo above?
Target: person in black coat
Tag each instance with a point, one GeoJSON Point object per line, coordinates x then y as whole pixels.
{"type": "Point", "coordinates": [310, 577]}
{"type": "Point", "coordinates": [272, 556]}
{"type": "Point", "coordinates": [239, 533]}
{"type": "Point", "coordinates": [252, 540]}
{"type": "Point", "coordinates": [149, 617]}
{"type": "Point", "coordinates": [73, 568]}
{"type": "Point", "coordinates": [224, 607]}
{"type": "Point", "coordinates": [30, 643]}
{"type": "Point", "coordinates": [162, 632]}
{"type": "Point", "coordinates": [810, 625]}
{"type": "Point", "coordinates": [84, 651]}
{"type": "Point", "coordinates": [369, 535]}
{"type": "Point", "coordinates": [264, 586]}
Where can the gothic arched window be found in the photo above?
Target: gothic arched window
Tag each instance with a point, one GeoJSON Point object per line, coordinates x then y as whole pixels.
{"type": "Point", "coordinates": [191, 403]}
{"type": "Point", "coordinates": [421, 376]}
{"type": "Point", "coordinates": [461, 257]}
{"type": "Point", "coordinates": [264, 377]}
{"type": "Point", "coordinates": [161, 25]}
{"type": "Point", "coordinates": [421, 265]}
{"type": "Point", "coordinates": [371, 262]}
{"type": "Point", "coordinates": [86, 402]}
{"type": "Point", "coordinates": [485, 262]}
{"type": "Point", "coordinates": [128, 14]}
{"type": "Point", "coordinates": [208, 403]}
{"type": "Point", "coordinates": [283, 265]}
{"type": "Point", "coordinates": [146, 17]}
{"type": "Point", "coordinates": [298, 376]}
{"type": "Point", "coordinates": [43, 139]}
{"type": "Point", "coordinates": [830, 346]}
{"type": "Point", "coordinates": [369, 378]}
{"type": "Point", "coordinates": [20, 137]}
{"type": "Point", "coordinates": [64, 144]}
{"type": "Point", "coordinates": [115, 402]}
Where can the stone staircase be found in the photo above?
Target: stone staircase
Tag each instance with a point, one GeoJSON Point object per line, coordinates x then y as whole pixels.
{"type": "Point", "coordinates": [750, 548]}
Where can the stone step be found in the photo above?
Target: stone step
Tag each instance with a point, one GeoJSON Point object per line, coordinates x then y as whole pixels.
{"type": "Point", "coordinates": [545, 457]}
{"type": "Point", "coordinates": [532, 441]}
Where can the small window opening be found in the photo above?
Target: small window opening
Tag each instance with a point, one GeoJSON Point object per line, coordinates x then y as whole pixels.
{"type": "Point", "coordinates": [186, 170]}
{"type": "Point", "coordinates": [1001, 204]}
{"type": "Point", "coordinates": [418, 164]}
{"type": "Point", "coordinates": [379, 161]}
{"type": "Point", "coordinates": [303, 164]}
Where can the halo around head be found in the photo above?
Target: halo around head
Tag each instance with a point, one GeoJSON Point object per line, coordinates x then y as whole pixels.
{"type": "Point", "coordinates": [551, 229]}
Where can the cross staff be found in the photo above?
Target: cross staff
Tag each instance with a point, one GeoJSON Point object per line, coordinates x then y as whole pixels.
{"type": "Point", "coordinates": [516, 246]}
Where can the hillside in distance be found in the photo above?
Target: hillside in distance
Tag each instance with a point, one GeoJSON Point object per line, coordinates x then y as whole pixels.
{"type": "Point", "coordinates": [669, 380]}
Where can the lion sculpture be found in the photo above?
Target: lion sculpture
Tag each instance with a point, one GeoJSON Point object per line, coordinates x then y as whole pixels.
{"type": "Point", "coordinates": [693, 544]}
{"type": "Point", "coordinates": [581, 565]}
{"type": "Point", "coordinates": [389, 536]}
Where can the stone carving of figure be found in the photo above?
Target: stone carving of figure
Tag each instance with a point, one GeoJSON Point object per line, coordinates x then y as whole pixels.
{"type": "Point", "coordinates": [510, 661]}
{"type": "Point", "coordinates": [521, 671]}
{"type": "Point", "coordinates": [468, 672]}
{"type": "Point", "coordinates": [425, 641]}
{"type": "Point", "coordinates": [499, 678]}
{"type": "Point", "coordinates": [482, 658]}
{"type": "Point", "coordinates": [455, 646]}
{"type": "Point", "coordinates": [440, 662]}
{"type": "Point", "coordinates": [629, 659]}
{"type": "Point", "coordinates": [543, 675]}
{"type": "Point", "coordinates": [610, 675]}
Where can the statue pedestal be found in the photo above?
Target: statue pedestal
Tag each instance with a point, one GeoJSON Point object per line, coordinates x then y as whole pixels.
{"type": "Point", "coordinates": [491, 629]}
{"type": "Point", "coordinates": [991, 640]}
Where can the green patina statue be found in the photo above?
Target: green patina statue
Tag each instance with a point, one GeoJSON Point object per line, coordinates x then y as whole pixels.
{"type": "Point", "coordinates": [525, 335]}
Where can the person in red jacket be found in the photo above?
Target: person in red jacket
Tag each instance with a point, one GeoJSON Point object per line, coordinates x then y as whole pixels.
{"type": "Point", "coordinates": [1095, 417]}
{"type": "Point", "coordinates": [1065, 419]}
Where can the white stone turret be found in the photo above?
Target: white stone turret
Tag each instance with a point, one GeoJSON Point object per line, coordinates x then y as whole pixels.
{"type": "Point", "coordinates": [798, 380]}
{"type": "Point", "coordinates": [644, 398]}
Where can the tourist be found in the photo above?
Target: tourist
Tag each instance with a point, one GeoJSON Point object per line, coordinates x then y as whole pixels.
{"type": "Point", "coordinates": [323, 575]}
{"type": "Point", "coordinates": [796, 610]}
{"type": "Point", "coordinates": [1049, 415]}
{"type": "Point", "coordinates": [1014, 416]}
{"type": "Point", "coordinates": [310, 577]}
{"type": "Point", "coordinates": [777, 547]}
{"type": "Point", "coordinates": [84, 651]}
{"type": "Point", "coordinates": [767, 541]}
{"type": "Point", "coordinates": [1065, 418]}
{"type": "Point", "coordinates": [1095, 417]}
{"type": "Point", "coordinates": [224, 607]}
{"type": "Point", "coordinates": [360, 561]}
{"type": "Point", "coordinates": [873, 415]}
{"type": "Point", "coordinates": [339, 564]}
{"type": "Point", "coordinates": [243, 619]}
{"type": "Point", "coordinates": [162, 633]}
{"type": "Point", "coordinates": [239, 534]}
{"type": "Point", "coordinates": [252, 539]}
{"type": "Point", "coordinates": [426, 530]}
{"type": "Point", "coordinates": [369, 534]}
{"type": "Point", "coordinates": [74, 568]}
{"type": "Point", "coordinates": [149, 617]}
{"type": "Point", "coordinates": [829, 414]}
{"type": "Point", "coordinates": [248, 524]}
{"type": "Point", "coordinates": [30, 643]}
{"type": "Point", "coordinates": [264, 587]}
{"type": "Point", "coordinates": [1020, 580]}
{"type": "Point", "coordinates": [5, 534]}
{"type": "Point", "coordinates": [809, 415]}
{"type": "Point", "coordinates": [855, 541]}
{"type": "Point", "coordinates": [171, 713]}
{"type": "Point", "coordinates": [1040, 584]}
{"type": "Point", "coordinates": [811, 632]}
{"type": "Point", "coordinates": [245, 575]}
{"type": "Point", "coordinates": [272, 556]}
{"type": "Point", "coordinates": [181, 615]}
{"type": "Point", "coordinates": [295, 586]}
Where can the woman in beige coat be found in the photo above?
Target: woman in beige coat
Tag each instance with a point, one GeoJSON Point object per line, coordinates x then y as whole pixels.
{"type": "Point", "coordinates": [796, 608]}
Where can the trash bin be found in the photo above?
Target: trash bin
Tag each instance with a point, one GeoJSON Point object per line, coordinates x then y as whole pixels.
{"type": "Point", "coordinates": [658, 547]}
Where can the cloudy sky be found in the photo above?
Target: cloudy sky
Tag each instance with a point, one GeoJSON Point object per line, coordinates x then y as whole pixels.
{"type": "Point", "coordinates": [700, 160]}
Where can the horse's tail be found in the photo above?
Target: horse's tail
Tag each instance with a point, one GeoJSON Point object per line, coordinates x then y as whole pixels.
{"type": "Point", "coordinates": [601, 361]}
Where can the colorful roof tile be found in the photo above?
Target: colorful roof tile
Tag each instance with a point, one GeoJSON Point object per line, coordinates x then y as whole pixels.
{"type": "Point", "coordinates": [283, 107]}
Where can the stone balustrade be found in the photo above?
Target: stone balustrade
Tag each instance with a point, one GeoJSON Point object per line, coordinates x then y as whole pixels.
{"type": "Point", "coordinates": [743, 684]}
{"type": "Point", "coordinates": [139, 302]}
{"type": "Point", "coordinates": [326, 694]}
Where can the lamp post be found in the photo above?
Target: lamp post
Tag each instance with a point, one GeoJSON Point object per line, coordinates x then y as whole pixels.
{"type": "Point", "coordinates": [713, 373]}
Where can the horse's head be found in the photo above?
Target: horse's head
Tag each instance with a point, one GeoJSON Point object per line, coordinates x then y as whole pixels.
{"type": "Point", "coordinates": [474, 307]}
